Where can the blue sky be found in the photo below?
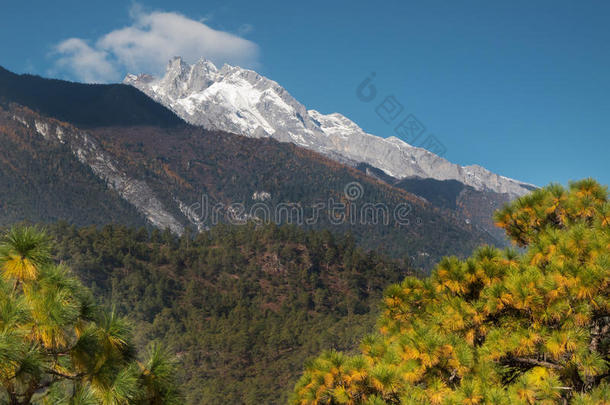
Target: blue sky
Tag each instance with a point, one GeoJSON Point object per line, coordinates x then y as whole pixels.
{"type": "Point", "coordinates": [519, 87]}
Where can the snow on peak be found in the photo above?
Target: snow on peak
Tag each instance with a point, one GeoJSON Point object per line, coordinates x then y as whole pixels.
{"type": "Point", "coordinates": [241, 101]}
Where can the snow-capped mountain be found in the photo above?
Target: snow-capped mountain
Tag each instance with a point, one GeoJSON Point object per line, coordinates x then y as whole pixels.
{"type": "Point", "coordinates": [241, 101]}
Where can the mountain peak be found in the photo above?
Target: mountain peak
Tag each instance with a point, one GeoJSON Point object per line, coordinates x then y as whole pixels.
{"type": "Point", "coordinates": [176, 63]}
{"type": "Point", "coordinates": [242, 101]}
{"type": "Point", "coordinates": [206, 65]}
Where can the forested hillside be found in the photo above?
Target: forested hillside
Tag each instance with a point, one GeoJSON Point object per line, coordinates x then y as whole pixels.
{"type": "Point", "coordinates": [42, 181]}
{"type": "Point", "coordinates": [474, 206]}
{"type": "Point", "coordinates": [189, 163]}
{"type": "Point", "coordinates": [242, 306]}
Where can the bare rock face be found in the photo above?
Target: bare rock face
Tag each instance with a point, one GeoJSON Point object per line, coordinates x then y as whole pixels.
{"type": "Point", "coordinates": [241, 101]}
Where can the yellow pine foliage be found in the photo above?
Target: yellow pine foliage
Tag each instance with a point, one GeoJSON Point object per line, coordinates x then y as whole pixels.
{"type": "Point", "coordinates": [500, 327]}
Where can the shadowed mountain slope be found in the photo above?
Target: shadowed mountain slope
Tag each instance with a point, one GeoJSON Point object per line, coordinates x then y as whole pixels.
{"type": "Point", "coordinates": [84, 105]}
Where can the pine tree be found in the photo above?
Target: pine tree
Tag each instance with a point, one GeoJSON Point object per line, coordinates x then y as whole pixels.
{"type": "Point", "coordinates": [501, 327]}
{"type": "Point", "coordinates": [57, 346]}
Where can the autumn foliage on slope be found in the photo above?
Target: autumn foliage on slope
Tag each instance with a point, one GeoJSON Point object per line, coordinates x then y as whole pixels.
{"type": "Point", "coordinates": [500, 327]}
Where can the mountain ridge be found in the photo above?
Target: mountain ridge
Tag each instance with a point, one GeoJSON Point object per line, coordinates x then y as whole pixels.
{"type": "Point", "coordinates": [84, 105]}
{"type": "Point", "coordinates": [242, 101]}
{"type": "Point", "coordinates": [161, 172]}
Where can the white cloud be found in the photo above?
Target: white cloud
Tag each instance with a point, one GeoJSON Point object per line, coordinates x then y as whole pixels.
{"type": "Point", "coordinates": [85, 62]}
{"type": "Point", "coordinates": [148, 43]}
